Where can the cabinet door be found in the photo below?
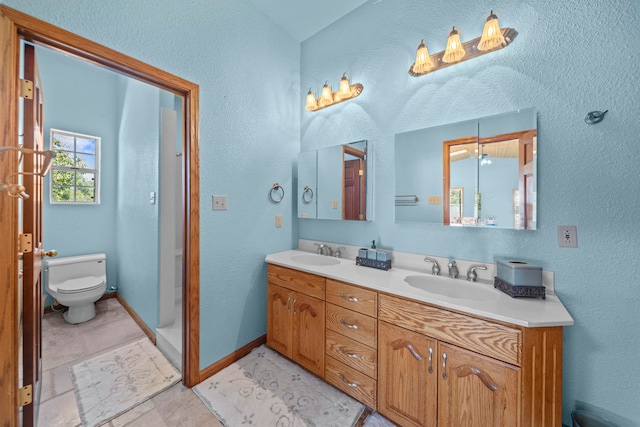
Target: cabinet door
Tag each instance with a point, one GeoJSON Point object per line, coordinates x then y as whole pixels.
{"type": "Point", "coordinates": [279, 324]}
{"type": "Point", "coordinates": [475, 390]}
{"type": "Point", "coordinates": [407, 376]}
{"type": "Point", "coordinates": [308, 332]}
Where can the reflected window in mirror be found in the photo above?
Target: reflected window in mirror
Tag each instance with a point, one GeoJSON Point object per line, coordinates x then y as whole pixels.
{"type": "Point", "coordinates": [459, 165]}
{"type": "Point", "coordinates": [493, 159]}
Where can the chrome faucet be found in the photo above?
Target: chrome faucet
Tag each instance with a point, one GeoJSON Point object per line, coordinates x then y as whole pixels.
{"type": "Point", "coordinates": [453, 269]}
{"type": "Point", "coordinates": [472, 275]}
{"type": "Point", "coordinates": [435, 269]}
{"type": "Point", "coordinates": [338, 252]}
{"type": "Point", "coordinates": [324, 249]}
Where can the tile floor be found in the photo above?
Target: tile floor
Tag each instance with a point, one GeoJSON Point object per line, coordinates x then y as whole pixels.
{"type": "Point", "coordinates": [64, 345]}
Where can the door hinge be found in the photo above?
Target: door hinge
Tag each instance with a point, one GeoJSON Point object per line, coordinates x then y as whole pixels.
{"type": "Point", "coordinates": [25, 395]}
{"type": "Point", "coordinates": [25, 243]}
{"type": "Point", "coordinates": [360, 172]}
{"type": "Point", "coordinates": [26, 89]}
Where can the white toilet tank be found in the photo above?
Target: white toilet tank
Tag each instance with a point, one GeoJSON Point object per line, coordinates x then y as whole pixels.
{"type": "Point", "coordinates": [61, 270]}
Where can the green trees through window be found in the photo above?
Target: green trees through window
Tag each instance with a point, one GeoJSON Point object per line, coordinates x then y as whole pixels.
{"type": "Point", "coordinates": [74, 173]}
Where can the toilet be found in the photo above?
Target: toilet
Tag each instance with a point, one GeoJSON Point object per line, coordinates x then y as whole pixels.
{"type": "Point", "coordinates": [77, 282]}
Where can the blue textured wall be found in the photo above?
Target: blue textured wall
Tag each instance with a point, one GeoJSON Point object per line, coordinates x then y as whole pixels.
{"type": "Point", "coordinates": [81, 98]}
{"type": "Point", "coordinates": [137, 220]}
{"type": "Point", "coordinates": [569, 58]}
{"type": "Point", "coordinates": [248, 70]}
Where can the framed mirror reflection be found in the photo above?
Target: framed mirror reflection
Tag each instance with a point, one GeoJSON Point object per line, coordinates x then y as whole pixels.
{"type": "Point", "coordinates": [333, 182]}
{"type": "Point", "coordinates": [476, 173]}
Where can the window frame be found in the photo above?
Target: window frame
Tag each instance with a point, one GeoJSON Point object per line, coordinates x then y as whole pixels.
{"type": "Point", "coordinates": [95, 171]}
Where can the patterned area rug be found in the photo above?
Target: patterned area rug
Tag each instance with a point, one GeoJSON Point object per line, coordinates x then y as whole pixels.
{"type": "Point", "coordinates": [265, 389]}
{"type": "Point", "coordinates": [114, 382]}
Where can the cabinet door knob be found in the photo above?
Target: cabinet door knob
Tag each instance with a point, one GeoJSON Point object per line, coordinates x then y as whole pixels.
{"type": "Point", "coordinates": [430, 360]}
{"type": "Point", "coordinates": [444, 366]}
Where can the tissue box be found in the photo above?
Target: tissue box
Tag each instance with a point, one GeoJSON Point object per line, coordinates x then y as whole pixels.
{"type": "Point", "coordinates": [383, 255]}
{"type": "Point", "coordinates": [519, 273]}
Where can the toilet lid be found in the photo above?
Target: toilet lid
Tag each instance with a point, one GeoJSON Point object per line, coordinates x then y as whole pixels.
{"type": "Point", "coordinates": [82, 284]}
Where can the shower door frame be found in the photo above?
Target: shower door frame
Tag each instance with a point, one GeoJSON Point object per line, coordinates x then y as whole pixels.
{"type": "Point", "coordinates": [14, 27]}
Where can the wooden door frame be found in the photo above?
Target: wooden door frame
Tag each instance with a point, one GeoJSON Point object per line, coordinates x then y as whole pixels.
{"type": "Point", "coordinates": [15, 26]}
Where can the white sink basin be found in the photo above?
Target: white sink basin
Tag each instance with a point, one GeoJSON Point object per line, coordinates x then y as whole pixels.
{"type": "Point", "coordinates": [317, 260]}
{"type": "Point", "coordinates": [451, 288]}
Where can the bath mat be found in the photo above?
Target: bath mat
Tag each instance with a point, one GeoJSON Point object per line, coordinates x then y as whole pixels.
{"type": "Point", "coordinates": [265, 389]}
{"type": "Point", "coordinates": [114, 382]}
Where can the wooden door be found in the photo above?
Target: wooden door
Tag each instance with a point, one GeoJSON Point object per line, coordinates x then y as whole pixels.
{"type": "Point", "coordinates": [279, 319]}
{"type": "Point", "coordinates": [407, 376]}
{"type": "Point", "coordinates": [351, 190]}
{"type": "Point", "coordinates": [476, 391]}
{"type": "Point", "coordinates": [32, 224]}
{"type": "Point", "coordinates": [308, 332]}
{"type": "Point", "coordinates": [526, 180]}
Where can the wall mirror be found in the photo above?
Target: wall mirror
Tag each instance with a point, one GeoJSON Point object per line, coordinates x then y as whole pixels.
{"type": "Point", "coordinates": [333, 183]}
{"type": "Point", "coordinates": [478, 173]}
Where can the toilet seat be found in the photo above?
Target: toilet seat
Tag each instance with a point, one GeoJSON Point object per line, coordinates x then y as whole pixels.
{"type": "Point", "coordinates": [83, 284]}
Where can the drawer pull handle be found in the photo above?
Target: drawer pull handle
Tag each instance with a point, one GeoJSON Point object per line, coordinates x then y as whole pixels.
{"type": "Point", "coordinates": [344, 380]}
{"type": "Point", "coordinates": [288, 308]}
{"type": "Point", "coordinates": [430, 359]}
{"type": "Point", "coordinates": [351, 299]}
{"type": "Point", "coordinates": [351, 355]}
{"type": "Point", "coordinates": [444, 366]}
{"type": "Point", "coordinates": [348, 325]}
{"type": "Point", "coordinates": [294, 305]}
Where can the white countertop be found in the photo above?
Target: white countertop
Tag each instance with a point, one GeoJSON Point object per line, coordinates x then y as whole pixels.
{"type": "Point", "coordinates": [528, 312]}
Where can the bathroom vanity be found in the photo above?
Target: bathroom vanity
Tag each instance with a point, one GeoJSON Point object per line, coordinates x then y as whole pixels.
{"type": "Point", "coordinates": [423, 350]}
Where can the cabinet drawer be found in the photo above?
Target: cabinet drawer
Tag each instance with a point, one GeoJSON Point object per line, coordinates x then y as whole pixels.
{"type": "Point", "coordinates": [354, 325]}
{"type": "Point", "coordinates": [352, 353]}
{"type": "Point", "coordinates": [480, 336]}
{"type": "Point", "coordinates": [354, 383]}
{"type": "Point", "coordinates": [306, 283]}
{"type": "Point", "coordinates": [354, 298]}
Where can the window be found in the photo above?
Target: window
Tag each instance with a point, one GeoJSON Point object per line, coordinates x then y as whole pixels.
{"type": "Point", "coordinates": [74, 173]}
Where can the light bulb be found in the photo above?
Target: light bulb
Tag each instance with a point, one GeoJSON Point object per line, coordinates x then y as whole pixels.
{"type": "Point", "coordinates": [423, 60]}
{"type": "Point", "coordinates": [326, 98]}
{"type": "Point", "coordinates": [454, 51]}
{"type": "Point", "coordinates": [491, 34]}
{"type": "Point", "coordinates": [345, 88]}
{"type": "Point", "coordinates": [312, 104]}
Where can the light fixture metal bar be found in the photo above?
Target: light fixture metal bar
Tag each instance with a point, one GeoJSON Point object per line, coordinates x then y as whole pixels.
{"type": "Point", "coordinates": [471, 51]}
{"type": "Point", "coordinates": [356, 90]}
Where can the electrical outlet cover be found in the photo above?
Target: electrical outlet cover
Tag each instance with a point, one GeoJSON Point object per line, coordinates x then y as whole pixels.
{"type": "Point", "coordinates": [567, 236]}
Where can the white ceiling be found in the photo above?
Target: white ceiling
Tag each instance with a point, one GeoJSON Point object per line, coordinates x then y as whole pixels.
{"type": "Point", "coordinates": [303, 18]}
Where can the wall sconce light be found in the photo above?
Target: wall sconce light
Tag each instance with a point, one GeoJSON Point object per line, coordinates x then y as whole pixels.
{"type": "Point", "coordinates": [17, 190]}
{"type": "Point", "coordinates": [327, 98]}
{"type": "Point", "coordinates": [493, 38]}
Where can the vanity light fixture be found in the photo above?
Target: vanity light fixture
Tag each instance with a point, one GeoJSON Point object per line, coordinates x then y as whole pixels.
{"type": "Point", "coordinates": [493, 38]}
{"type": "Point", "coordinates": [327, 98]}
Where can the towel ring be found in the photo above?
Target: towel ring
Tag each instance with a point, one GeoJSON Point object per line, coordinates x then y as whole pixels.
{"type": "Point", "coordinates": [275, 190]}
{"type": "Point", "coordinates": [307, 194]}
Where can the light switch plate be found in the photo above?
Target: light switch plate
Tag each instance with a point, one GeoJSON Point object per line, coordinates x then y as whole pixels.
{"type": "Point", "coordinates": [278, 220]}
{"type": "Point", "coordinates": [219, 203]}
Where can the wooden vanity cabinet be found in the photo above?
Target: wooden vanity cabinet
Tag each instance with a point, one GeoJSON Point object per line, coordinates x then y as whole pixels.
{"type": "Point", "coordinates": [296, 316]}
{"type": "Point", "coordinates": [439, 367]}
{"type": "Point", "coordinates": [352, 340]}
